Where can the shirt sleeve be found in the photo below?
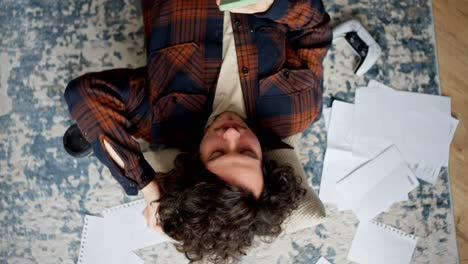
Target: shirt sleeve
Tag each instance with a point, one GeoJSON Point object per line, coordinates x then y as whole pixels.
{"type": "Point", "coordinates": [309, 29]}
{"type": "Point", "coordinates": [113, 106]}
{"type": "Point", "coordinates": [309, 34]}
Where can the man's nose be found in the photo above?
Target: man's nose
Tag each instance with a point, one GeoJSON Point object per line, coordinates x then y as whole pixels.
{"type": "Point", "coordinates": [231, 135]}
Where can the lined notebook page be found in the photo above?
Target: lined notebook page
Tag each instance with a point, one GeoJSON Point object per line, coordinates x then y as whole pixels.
{"type": "Point", "coordinates": [379, 243]}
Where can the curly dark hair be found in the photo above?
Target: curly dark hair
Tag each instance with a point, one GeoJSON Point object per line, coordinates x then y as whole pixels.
{"type": "Point", "coordinates": [216, 221]}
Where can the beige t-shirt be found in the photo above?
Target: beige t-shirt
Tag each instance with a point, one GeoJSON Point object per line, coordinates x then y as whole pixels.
{"type": "Point", "coordinates": [228, 96]}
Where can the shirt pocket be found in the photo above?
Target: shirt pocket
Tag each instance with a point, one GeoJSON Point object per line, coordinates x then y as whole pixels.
{"type": "Point", "coordinates": [178, 106]}
{"type": "Point", "coordinates": [290, 100]}
{"type": "Point", "coordinates": [288, 82]}
{"type": "Point", "coordinates": [271, 44]}
{"type": "Point", "coordinates": [175, 69]}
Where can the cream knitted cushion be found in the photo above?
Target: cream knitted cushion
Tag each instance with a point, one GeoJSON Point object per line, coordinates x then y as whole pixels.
{"type": "Point", "coordinates": [310, 211]}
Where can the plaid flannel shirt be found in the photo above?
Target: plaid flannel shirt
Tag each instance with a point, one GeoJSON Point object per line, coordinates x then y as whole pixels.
{"type": "Point", "coordinates": [279, 54]}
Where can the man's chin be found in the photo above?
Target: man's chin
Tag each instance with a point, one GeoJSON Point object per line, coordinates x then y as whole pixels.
{"type": "Point", "coordinates": [228, 116]}
{"type": "Point", "coordinates": [225, 117]}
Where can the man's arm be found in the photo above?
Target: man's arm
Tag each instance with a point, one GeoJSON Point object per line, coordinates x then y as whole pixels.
{"type": "Point", "coordinates": [109, 107]}
{"type": "Point", "coordinates": [309, 30]}
{"type": "Point", "coordinates": [150, 192]}
{"type": "Point", "coordinates": [305, 25]}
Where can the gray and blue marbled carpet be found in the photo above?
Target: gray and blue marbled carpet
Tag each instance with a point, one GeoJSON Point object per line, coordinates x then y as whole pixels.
{"type": "Point", "coordinates": [44, 193]}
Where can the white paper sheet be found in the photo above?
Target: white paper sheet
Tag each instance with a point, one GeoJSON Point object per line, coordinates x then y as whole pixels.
{"type": "Point", "coordinates": [323, 260]}
{"type": "Point", "coordinates": [338, 160]}
{"type": "Point", "coordinates": [341, 122]}
{"type": "Point", "coordinates": [429, 172]}
{"type": "Point", "coordinates": [128, 219]}
{"type": "Point", "coordinates": [337, 164]}
{"type": "Point", "coordinates": [326, 116]}
{"type": "Point", "coordinates": [418, 124]}
{"type": "Point", "coordinates": [114, 237]}
{"type": "Point", "coordinates": [379, 243]}
{"type": "Point", "coordinates": [91, 244]}
{"type": "Point", "coordinates": [100, 245]}
{"type": "Point", "coordinates": [377, 184]}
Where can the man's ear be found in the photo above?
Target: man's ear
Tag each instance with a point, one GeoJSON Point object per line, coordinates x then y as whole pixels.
{"type": "Point", "coordinates": [158, 228]}
{"type": "Point", "coordinates": [152, 217]}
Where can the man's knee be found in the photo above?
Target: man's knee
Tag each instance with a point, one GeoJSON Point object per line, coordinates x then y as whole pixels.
{"type": "Point", "coordinates": [72, 92]}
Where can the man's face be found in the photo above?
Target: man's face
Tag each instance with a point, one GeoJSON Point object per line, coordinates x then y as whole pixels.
{"type": "Point", "coordinates": [232, 151]}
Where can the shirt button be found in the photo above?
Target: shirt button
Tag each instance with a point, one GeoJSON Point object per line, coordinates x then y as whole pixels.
{"type": "Point", "coordinates": [286, 74]}
{"type": "Point", "coordinates": [237, 23]}
{"type": "Point", "coordinates": [245, 70]}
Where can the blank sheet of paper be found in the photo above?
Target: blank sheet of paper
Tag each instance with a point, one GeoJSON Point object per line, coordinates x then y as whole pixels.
{"type": "Point", "coordinates": [377, 184]}
{"type": "Point", "coordinates": [419, 124]}
{"type": "Point", "coordinates": [341, 122]}
{"type": "Point", "coordinates": [430, 172]}
{"type": "Point", "coordinates": [326, 116]}
{"type": "Point", "coordinates": [336, 165]}
{"type": "Point", "coordinates": [338, 161]}
{"type": "Point", "coordinates": [100, 245]}
{"type": "Point", "coordinates": [379, 243]}
{"type": "Point", "coordinates": [323, 260]}
{"type": "Point", "coordinates": [129, 223]}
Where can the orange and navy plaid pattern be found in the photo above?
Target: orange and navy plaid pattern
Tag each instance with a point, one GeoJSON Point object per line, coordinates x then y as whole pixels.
{"type": "Point", "coordinates": [279, 54]}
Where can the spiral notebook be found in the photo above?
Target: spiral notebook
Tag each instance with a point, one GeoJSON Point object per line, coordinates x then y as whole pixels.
{"type": "Point", "coordinates": [379, 243]}
{"type": "Point", "coordinates": [114, 237]}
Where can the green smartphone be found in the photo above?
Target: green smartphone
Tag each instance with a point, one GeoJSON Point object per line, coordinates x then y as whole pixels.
{"type": "Point", "coordinates": [231, 4]}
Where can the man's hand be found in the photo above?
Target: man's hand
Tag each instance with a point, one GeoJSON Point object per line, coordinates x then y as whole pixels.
{"type": "Point", "coordinates": [151, 194]}
{"type": "Point", "coordinates": [260, 7]}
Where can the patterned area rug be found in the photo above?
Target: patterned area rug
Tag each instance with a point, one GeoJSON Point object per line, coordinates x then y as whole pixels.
{"type": "Point", "coordinates": [44, 193]}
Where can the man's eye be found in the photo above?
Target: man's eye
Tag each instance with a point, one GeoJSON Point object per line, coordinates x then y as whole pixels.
{"type": "Point", "coordinates": [216, 155]}
{"type": "Point", "coordinates": [249, 153]}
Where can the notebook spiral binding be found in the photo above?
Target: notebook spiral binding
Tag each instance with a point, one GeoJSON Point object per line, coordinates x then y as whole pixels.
{"type": "Point", "coordinates": [122, 206]}
{"type": "Point", "coordinates": [394, 230]}
{"type": "Point", "coordinates": [83, 239]}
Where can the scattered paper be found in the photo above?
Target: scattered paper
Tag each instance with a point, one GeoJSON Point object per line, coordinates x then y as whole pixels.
{"type": "Point", "coordinates": [379, 243]}
{"type": "Point", "coordinates": [430, 172]}
{"type": "Point", "coordinates": [377, 184]}
{"type": "Point", "coordinates": [323, 260]}
{"type": "Point", "coordinates": [113, 237]}
{"type": "Point", "coordinates": [326, 116]}
{"type": "Point", "coordinates": [341, 122]}
{"type": "Point", "coordinates": [338, 161]}
{"type": "Point", "coordinates": [337, 164]}
{"type": "Point", "coordinates": [375, 150]}
{"type": "Point", "coordinates": [418, 124]}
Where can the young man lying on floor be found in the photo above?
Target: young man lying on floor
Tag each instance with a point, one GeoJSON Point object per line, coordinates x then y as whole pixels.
{"type": "Point", "coordinates": [223, 87]}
